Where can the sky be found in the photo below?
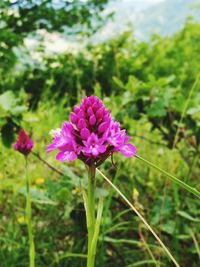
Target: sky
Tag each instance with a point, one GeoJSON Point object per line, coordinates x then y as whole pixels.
{"type": "Point", "coordinates": [142, 1]}
{"type": "Point", "coordinates": [115, 5]}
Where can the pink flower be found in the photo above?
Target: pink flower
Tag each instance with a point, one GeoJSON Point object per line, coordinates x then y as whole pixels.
{"type": "Point", "coordinates": [94, 146]}
{"type": "Point", "coordinates": [24, 144]}
{"type": "Point", "coordinates": [92, 135]}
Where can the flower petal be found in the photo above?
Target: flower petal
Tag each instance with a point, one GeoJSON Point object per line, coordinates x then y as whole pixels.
{"type": "Point", "coordinates": [66, 156]}
{"type": "Point", "coordinates": [102, 148]}
{"type": "Point", "coordinates": [128, 150]}
{"type": "Point", "coordinates": [85, 133]}
{"type": "Point", "coordinates": [51, 147]}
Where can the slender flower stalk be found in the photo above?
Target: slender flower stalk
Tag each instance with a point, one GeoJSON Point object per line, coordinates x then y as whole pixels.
{"type": "Point", "coordinates": [28, 219]}
{"type": "Point", "coordinates": [24, 145]}
{"type": "Point", "coordinates": [97, 228]}
{"type": "Point", "coordinates": [91, 213]}
{"type": "Point", "coordinates": [93, 221]}
{"type": "Point", "coordinates": [92, 136]}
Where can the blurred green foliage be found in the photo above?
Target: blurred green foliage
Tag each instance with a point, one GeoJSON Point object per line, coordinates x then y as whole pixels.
{"type": "Point", "coordinates": [24, 18]}
{"type": "Point", "coordinates": [155, 78]}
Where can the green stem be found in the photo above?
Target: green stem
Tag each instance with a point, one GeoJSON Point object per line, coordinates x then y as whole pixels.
{"type": "Point", "coordinates": [97, 227]}
{"type": "Point", "coordinates": [90, 213]}
{"type": "Point", "coordinates": [28, 219]}
{"type": "Point", "coordinates": [173, 178]}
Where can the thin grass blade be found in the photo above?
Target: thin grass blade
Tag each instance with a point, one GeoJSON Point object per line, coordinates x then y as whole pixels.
{"type": "Point", "coordinates": [187, 187]}
{"type": "Point", "coordinates": [141, 218]}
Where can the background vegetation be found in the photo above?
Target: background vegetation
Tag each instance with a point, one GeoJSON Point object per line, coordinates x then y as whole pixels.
{"type": "Point", "coordinates": [151, 87]}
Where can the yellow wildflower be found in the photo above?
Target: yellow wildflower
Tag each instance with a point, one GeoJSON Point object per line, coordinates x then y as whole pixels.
{"type": "Point", "coordinates": [76, 190]}
{"type": "Point", "coordinates": [39, 181]}
{"type": "Point", "coordinates": [21, 219]}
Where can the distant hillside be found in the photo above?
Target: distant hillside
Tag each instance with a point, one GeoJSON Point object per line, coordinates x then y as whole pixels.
{"type": "Point", "coordinates": [145, 17]}
{"type": "Point", "coordinates": [164, 17]}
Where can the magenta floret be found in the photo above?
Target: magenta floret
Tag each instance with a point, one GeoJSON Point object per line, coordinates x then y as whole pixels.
{"type": "Point", "coordinates": [92, 134]}
{"type": "Point", "coordinates": [24, 144]}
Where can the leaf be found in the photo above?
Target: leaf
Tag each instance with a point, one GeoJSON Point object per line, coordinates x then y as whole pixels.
{"type": "Point", "coordinates": [167, 97]}
{"type": "Point", "coordinates": [157, 109]}
{"type": "Point", "coordinates": [119, 83]}
{"type": "Point", "coordinates": [69, 173]}
{"type": "Point", "coordinates": [18, 110]}
{"type": "Point", "coordinates": [168, 227]}
{"type": "Point", "coordinates": [101, 192]}
{"type": "Point", "coordinates": [178, 102]}
{"type": "Point", "coordinates": [7, 101]}
{"type": "Point", "coordinates": [9, 105]}
{"type": "Point", "coordinates": [38, 196]}
{"type": "Point", "coordinates": [187, 216]}
{"type": "Point", "coordinates": [74, 180]}
{"type": "Point", "coordinates": [2, 112]}
{"type": "Point", "coordinates": [2, 121]}
{"type": "Point", "coordinates": [62, 195]}
{"type": "Point", "coordinates": [7, 134]}
{"type": "Point", "coordinates": [170, 78]}
{"type": "Point", "coordinates": [29, 117]}
{"type": "Point", "coordinates": [192, 111]}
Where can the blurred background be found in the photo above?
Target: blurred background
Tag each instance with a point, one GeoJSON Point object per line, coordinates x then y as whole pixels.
{"type": "Point", "coordinates": [142, 58]}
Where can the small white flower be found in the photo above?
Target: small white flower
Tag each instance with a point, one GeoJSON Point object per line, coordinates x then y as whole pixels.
{"type": "Point", "coordinates": [55, 132]}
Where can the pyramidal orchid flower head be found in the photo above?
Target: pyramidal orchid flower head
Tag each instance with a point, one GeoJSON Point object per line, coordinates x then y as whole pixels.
{"type": "Point", "coordinates": [92, 135]}
{"type": "Point", "coordinates": [24, 144]}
